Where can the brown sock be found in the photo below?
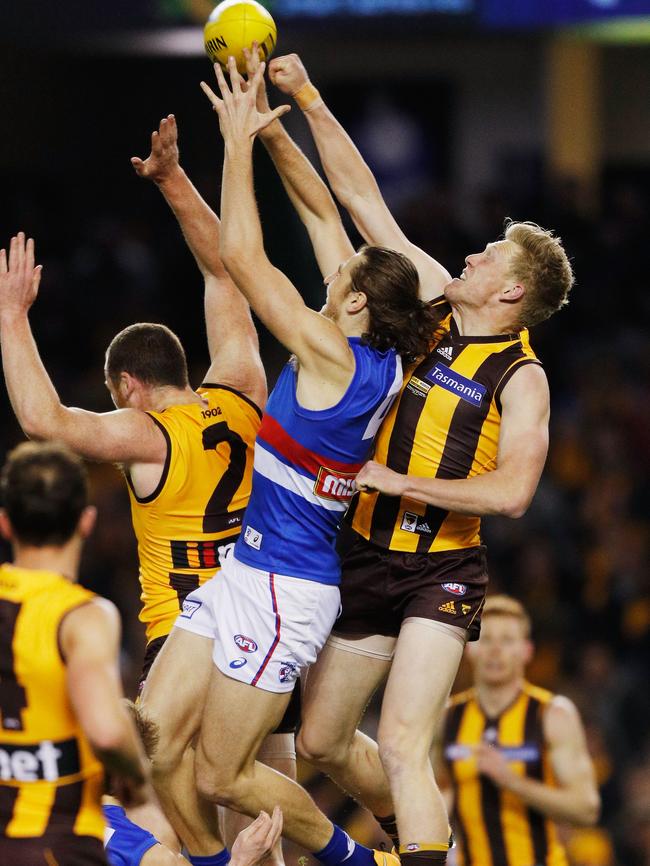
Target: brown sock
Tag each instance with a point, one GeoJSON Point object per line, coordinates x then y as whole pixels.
{"type": "Point", "coordinates": [389, 826]}
{"type": "Point", "coordinates": [423, 854]}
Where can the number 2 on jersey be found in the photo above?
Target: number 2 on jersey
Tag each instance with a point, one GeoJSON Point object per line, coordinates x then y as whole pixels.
{"type": "Point", "coordinates": [216, 511]}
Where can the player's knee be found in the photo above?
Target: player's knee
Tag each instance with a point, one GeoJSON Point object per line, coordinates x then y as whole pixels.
{"type": "Point", "coordinates": [320, 749]}
{"type": "Point", "coordinates": [398, 750]}
{"type": "Point", "coordinates": [216, 783]}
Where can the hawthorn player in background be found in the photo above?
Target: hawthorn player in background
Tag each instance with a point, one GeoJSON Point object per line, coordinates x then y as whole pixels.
{"type": "Point", "coordinates": [514, 755]}
{"type": "Point", "coordinates": [468, 436]}
{"type": "Point", "coordinates": [62, 717]}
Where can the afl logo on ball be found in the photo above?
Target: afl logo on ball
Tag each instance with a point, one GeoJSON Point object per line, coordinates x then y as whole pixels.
{"type": "Point", "coordinates": [455, 588]}
{"type": "Point", "coordinates": [246, 644]}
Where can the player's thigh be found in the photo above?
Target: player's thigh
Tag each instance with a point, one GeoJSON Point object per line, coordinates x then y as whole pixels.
{"type": "Point", "coordinates": [425, 664]}
{"type": "Point", "coordinates": [175, 690]}
{"type": "Point", "coordinates": [338, 687]}
{"type": "Point", "coordinates": [236, 719]}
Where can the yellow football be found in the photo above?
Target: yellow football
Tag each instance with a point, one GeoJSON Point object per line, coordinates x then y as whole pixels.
{"type": "Point", "coordinates": [235, 25]}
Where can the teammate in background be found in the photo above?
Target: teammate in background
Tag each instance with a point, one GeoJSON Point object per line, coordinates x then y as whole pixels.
{"type": "Point", "coordinates": [60, 691]}
{"type": "Point", "coordinates": [267, 616]}
{"type": "Point", "coordinates": [515, 754]}
{"type": "Point", "coordinates": [468, 436]}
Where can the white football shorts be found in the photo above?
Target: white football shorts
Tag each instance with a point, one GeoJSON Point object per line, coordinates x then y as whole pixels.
{"type": "Point", "coordinates": [266, 627]}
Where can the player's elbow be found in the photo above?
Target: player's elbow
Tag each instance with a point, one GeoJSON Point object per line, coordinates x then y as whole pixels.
{"type": "Point", "coordinates": [590, 811]}
{"type": "Point", "coordinates": [515, 501]}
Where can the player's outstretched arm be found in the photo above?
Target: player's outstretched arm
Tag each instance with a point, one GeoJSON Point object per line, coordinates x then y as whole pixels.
{"type": "Point", "coordinates": [306, 190]}
{"type": "Point", "coordinates": [123, 436]}
{"type": "Point", "coordinates": [316, 341]}
{"type": "Point", "coordinates": [506, 490]}
{"type": "Point", "coordinates": [352, 181]}
{"type": "Point", "coordinates": [89, 637]}
{"type": "Point", "coordinates": [574, 796]}
{"type": "Point", "coordinates": [232, 338]}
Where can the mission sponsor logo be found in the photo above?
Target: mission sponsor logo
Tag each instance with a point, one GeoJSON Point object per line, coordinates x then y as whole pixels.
{"type": "Point", "coordinates": [467, 389]}
{"type": "Point", "coordinates": [332, 484]}
{"type": "Point", "coordinates": [45, 761]}
{"type": "Point", "coordinates": [246, 644]}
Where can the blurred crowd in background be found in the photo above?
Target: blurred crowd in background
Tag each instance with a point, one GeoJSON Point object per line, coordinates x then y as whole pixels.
{"type": "Point", "coordinates": [579, 560]}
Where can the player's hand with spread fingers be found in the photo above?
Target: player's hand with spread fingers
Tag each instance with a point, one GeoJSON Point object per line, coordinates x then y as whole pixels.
{"type": "Point", "coordinates": [19, 277]}
{"type": "Point", "coordinates": [374, 476]}
{"type": "Point", "coordinates": [257, 841]}
{"type": "Point", "coordinates": [163, 161]}
{"type": "Point", "coordinates": [239, 118]}
{"type": "Point", "coordinates": [288, 73]}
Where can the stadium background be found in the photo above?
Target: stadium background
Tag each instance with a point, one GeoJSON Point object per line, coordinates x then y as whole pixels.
{"type": "Point", "coordinates": [465, 119]}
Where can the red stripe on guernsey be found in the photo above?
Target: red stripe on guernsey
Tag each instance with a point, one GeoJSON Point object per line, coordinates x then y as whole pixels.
{"type": "Point", "coordinates": [276, 640]}
{"type": "Point", "coordinates": [278, 438]}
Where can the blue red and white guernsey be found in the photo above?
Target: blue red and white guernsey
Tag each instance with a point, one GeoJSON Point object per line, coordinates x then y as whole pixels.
{"type": "Point", "coordinates": [305, 465]}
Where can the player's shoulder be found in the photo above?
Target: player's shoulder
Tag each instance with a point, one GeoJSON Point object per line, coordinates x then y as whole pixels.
{"type": "Point", "coordinates": [543, 696]}
{"type": "Point", "coordinates": [222, 399]}
{"type": "Point", "coordinates": [461, 698]}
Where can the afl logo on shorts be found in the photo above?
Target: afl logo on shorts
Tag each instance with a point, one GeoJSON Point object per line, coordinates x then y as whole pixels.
{"type": "Point", "coordinates": [244, 643]}
{"type": "Point", "coordinates": [455, 588]}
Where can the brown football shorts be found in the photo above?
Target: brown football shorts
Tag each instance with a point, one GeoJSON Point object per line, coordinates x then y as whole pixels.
{"type": "Point", "coordinates": [52, 850]}
{"type": "Point", "coordinates": [380, 588]}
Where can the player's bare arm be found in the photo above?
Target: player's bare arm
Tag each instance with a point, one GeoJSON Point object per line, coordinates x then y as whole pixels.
{"type": "Point", "coordinates": [575, 797]}
{"type": "Point", "coordinates": [506, 490]}
{"type": "Point", "coordinates": [89, 638]}
{"type": "Point", "coordinates": [318, 343]}
{"type": "Point", "coordinates": [123, 436]}
{"type": "Point", "coordinates": [306, 190]}
{"type": "Point", "coordinates": [352, 181]}
{"type": "Point", "coordinates": [232, 338]}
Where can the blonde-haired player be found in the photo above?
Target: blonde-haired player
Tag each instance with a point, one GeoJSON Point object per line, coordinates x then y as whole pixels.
{"type": "Point", "coordinates": [515, 754]}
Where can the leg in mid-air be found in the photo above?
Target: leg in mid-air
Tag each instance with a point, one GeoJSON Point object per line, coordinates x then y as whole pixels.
{"type": "Point", "coordinates": [172, 701]}
{"type": "Point", "coordinates": [338, 689]}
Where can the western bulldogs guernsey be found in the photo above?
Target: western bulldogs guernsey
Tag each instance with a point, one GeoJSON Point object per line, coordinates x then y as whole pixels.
{"type": "Point", "coordinates": [305, 465]}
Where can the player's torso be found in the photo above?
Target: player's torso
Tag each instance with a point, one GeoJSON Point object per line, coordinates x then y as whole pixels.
{"type": "Point", "coordinates": [199, 503]}
{"type": "Point", "coordinates": [305, 465]}
{"type": "Point", "coordinates": [493, 826]}
{"type": "Point", "coordinates": [50, 781]}
{"type": "Point", "coordinates": [445, 424]}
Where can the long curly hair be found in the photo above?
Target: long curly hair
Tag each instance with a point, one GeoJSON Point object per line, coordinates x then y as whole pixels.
{"type": "Point", "coordinates": [398, 318]}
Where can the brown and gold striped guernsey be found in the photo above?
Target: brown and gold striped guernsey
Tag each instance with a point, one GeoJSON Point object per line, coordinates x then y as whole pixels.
{"type": "Point", "coordinates": [50, 780]}
{"type": "Point", "coordinates": [199, 502]}
{"type": "Point", "coordinates": [493, 827]}
{"type": "Point", "coordinates": [445, 424]}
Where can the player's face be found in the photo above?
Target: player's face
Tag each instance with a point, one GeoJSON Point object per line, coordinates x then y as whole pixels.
{"type": "Point", "coordinates": [338, 287]}
{"type": "Point", "coordinates": [484, 275]}
{"type": "Point", "coordinates": [502, 652]}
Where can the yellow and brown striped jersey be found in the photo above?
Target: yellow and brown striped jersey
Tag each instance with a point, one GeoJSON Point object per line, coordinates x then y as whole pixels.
{"type": "Point", "coordinates": [50, 780]}
{"type": "Point", "coordinates": [444, 424]}
{"type": "Point", "coordinates": [199, 502]}
{"type": "Point", "coordinates": [493, 827]}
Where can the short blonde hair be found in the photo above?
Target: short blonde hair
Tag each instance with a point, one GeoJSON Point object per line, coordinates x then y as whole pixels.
{"type": "Point", "coordinates": [505, 605]}
{"type": "Point", "coordinates": [543, 267]}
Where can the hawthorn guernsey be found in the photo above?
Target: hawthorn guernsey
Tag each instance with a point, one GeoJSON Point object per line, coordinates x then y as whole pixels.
{"type": "Point", "coordinates": [305, 465]}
